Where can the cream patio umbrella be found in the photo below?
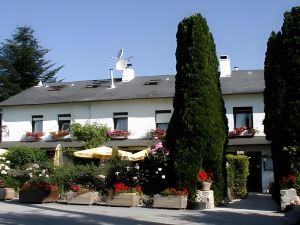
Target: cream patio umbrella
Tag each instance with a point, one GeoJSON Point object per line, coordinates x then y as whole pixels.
{"type": "Point", "coordinates": [139, 155]}
{"type": "Point", "coordinates": [101, 152]}
{"type": "Point", "coordinates": [58, 156]}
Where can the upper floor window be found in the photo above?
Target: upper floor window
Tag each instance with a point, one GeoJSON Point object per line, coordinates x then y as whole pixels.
{"type": "Point", "coordinates": [37, 123]}
{"type": "Point", "coordinates": [243, 117]}
{"type": "Point", "coordinates": [64, 122]}
{"type": "Point", "coordinates": [162, 118]}
{"type": "Point", "coordinates": [121, 121]}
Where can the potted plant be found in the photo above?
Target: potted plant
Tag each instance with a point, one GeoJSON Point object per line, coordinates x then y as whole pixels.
{"type": "Point", "coordinates": [33, 136]}
{"type": "Point", "coordinates": [171, 198]}
{"type": "Point", "coordinates": [6, 193]}
{"type": "Point", "coordinates": [118, 134]}
{"type": "Point", "coordinates": [123, 195]}
{"type": "Point", "coordinates": [38, 188]}
{"type": "Point", "coordinates": [38, 193]}
{"type": "Point", "coordinates": [206, 180]}
{"type": "Point", "coordinates": [83, 195]}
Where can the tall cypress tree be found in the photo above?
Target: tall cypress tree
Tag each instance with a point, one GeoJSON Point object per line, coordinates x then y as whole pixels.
{"type": "Point", "coordinates": [23, 63]}
{"type": "Point", "coordinates": [281, 95]}
{"type": "Point", "coordinates": [197, 130]}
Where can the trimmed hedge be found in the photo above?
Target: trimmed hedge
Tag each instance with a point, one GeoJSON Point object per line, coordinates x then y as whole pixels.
{"type": "Point", "coordinates": [237, 175]}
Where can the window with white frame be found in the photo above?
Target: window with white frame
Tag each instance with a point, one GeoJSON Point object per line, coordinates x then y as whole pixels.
{"type": "Point", "coordinates": [121, 121]}
{"type": "Point", "coordinates": [243, 117]}
{"type": "Point", "coordinates": [37, 123]}
{"type": "Point", "coordinates": [64, 122]}
{"type": "Point", "coordinates": [162, 118]}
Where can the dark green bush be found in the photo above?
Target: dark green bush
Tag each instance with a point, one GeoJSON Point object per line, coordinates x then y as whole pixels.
{"type": "Point", "coordinates": [237, 175]}
{"type": "Point", "coordinates": [22, 155]}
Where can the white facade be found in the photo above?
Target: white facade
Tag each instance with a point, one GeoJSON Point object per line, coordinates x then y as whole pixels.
{"type": "Point", "coordinates": [141, 118]}
{"type": "Point", "coordinates": [256, 101]}
{"type": "Point", "coordinates": [141, 115]}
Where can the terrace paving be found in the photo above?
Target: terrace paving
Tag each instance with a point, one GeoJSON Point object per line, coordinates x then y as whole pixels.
{"type": "Point", "coordinates": [256, 209]}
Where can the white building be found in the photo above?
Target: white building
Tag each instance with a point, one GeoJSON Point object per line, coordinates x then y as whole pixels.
{"type": "Point", "coordinates": [138, 105]}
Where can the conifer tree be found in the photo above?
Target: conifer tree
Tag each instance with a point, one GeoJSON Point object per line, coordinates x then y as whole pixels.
{"type": "Point", "coordinates": [23, 63]}
{"type": "Point", "coordinates": [197, 130]}
{"type": "Point", "coordinates": [281, 95]}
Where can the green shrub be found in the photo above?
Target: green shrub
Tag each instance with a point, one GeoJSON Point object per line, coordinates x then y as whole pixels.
{"type": "Point", "coordinates": [85, 175]}
{"type": "Point", "coordinates": [21, 155]}
{"type": "Point", "coordinates": [237, 175]}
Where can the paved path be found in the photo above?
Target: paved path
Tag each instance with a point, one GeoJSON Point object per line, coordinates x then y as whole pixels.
{"type": "Point", "coordinates": [258, 209]}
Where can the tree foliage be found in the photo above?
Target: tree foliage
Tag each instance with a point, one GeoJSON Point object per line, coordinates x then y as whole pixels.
{"type": "Point", "coordinates": [92, 134]}
{"type": "Point", "coordinates": [282, 95]}
{"type": "Point", "coordinates": [23, 63]}
{"type": "Point", "coordinates": [197, 130]}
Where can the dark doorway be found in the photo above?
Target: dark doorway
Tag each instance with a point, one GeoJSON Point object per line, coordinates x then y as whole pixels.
{"type": "Point", "coordinates": [255, 176]}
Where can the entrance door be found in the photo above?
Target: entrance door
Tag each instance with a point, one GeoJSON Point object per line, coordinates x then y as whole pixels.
{"type": "Point", "coordinates": [255, 176]}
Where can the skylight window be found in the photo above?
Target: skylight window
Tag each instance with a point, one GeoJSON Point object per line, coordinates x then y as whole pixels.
{"type": "Point", "coordinates": [151, 82]}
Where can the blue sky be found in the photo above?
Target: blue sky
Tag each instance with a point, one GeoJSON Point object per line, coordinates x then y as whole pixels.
{"type": "Point", "coordinates": [83, 35]}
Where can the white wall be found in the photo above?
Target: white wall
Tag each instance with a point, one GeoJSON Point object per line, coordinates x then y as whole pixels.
{"type": "Point", "coordinates": [251, 100]}
{"type": "Point", "coordinates": [141, 115]}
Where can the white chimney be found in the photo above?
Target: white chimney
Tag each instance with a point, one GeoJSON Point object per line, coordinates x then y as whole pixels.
{"type": "Point", "coordinates": [112, 85]}
{"type": "Point", "coordinates": [225, 68]}
{"type": "Point", "coordinates": [127, 75]}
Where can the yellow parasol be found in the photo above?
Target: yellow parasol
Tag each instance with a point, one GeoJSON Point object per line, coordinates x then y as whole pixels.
{"type": "Point", "coordinates": [139, 155]}
{"type": "Point", "coordinates": [100, 152]}
{"type": "Point", "coordinates": [58, 157]}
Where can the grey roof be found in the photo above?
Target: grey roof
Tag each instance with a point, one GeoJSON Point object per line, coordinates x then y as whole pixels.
{"type": "Point", "coordinates": [256, 140]}
{"type": "Point", "coordinates": [243, 82]}
{"type": "Point", "coordinates": [99, 90]}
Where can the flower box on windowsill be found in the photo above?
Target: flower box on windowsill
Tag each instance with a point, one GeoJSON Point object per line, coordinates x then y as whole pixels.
{"type": "Point", "coordinates": [33, 136]}
{"type": "Point", "coordinates": [242, 132]}
{"type": "Point", "coordinates": [87, 198]}
{"type": "Point", "coordinates": [60, 135]}
{"type": "Point", "coordinates": [124, 199]}
{"type": "Point", "coordinates": [118, 134]}
{"type": "Point", "coordinates": [171, 201]}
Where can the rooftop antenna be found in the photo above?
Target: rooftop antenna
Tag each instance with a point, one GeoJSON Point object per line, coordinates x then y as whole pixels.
{"type": "Point", "coordinates": [122, 63]}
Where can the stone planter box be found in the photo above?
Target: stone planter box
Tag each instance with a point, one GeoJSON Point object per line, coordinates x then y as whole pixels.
{"type": "Point", "coordinates": [172, 202]}
{"type": "Point", "coordinates": [88, 198]}
{"type": "Point", "coordinates": [124, 199]}
{"type": "Point", "coordinates": [38, 196]}
{"type": "Point", "coordinates": [7, 193]}
{"type": "Point", "coordinates": [204, 200]}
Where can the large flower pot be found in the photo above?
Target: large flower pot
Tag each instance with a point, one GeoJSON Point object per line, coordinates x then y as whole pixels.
{"type": "Point", "coordinates": [173, 202]}
{"type": "Point", "coordinates": [38, 196]}
{"type": "Point", "coordinates": [7, 193]}
{"type": "Point", "coordinates": [206, 186]}
{"type": "Point", "coordinates": [124, 199]}
{"type": "Point", "coordinates": [87, 198]}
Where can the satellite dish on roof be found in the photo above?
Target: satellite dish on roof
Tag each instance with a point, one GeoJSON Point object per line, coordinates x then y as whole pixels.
{"type": "Point", "coordinates": [120, 54]}
{"type": "Point", "coordinates": [121, 63]}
